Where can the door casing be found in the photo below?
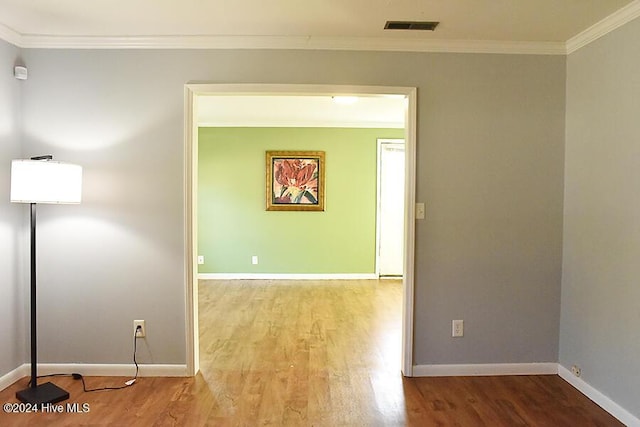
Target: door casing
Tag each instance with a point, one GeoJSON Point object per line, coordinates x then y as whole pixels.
{"type": "Point", "coordinates": [191, 94]}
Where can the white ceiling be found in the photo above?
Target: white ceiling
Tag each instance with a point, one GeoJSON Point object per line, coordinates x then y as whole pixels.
{"type": "Point", "coordinates": [326, 24]}
{"type": "Point", "coordinates": [300, 111]}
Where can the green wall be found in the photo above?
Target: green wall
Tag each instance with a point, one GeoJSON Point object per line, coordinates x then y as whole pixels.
{"type": "Point", "coordinates": [233, 224]}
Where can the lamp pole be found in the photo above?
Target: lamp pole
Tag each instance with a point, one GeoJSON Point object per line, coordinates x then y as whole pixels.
{"type": "Point", "coordinates": [34, 335]}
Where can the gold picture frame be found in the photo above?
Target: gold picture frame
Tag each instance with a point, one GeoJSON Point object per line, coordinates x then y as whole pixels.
{"type": "Point", "coordinates": [295, 180]}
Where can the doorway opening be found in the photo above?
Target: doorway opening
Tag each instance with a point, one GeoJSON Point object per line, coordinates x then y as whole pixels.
{"type": "Point", "coordinates": [194, 94]}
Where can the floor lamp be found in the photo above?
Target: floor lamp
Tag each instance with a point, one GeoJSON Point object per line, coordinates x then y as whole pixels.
{"type": "Point", "coordinates": [42, 180]}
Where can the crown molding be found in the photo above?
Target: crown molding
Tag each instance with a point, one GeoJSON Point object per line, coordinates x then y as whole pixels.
{"type": "Point", "coordinates": [293, 42]}
{"type": "Point", "coordinates": [10, 36]}
{"type": "Point", "coordinates": [302, 124]}
{"type": "Point", "coordinates": [605, 26]}
{"type": "Point", "coordinates": [445, 46]}
{"type": "Point", "coordinates": [163, 42]}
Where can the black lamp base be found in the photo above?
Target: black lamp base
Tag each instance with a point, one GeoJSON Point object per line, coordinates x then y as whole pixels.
{"type": "Point", "coordinates": [43, 393]}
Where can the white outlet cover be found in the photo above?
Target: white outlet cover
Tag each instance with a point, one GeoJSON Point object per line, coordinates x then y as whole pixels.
{"type": "Point", "coordinates": [457, 328]}
{"type": "Point", "coordinates": [143, 332]}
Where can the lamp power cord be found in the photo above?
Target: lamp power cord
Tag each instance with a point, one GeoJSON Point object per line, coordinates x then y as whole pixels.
{"type": "Point", "coordinates": [127, 384]}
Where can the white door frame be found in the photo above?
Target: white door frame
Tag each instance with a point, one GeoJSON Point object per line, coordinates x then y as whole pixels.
{"type": "Point", "coordinates": [191, 94]}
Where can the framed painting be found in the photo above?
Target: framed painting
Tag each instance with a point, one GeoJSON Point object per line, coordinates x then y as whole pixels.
{"type": "Point", "coordinates": [295, 180]}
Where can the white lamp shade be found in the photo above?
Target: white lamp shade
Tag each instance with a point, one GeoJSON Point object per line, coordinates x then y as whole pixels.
{"type": "Point", "coordinates": [45, 181]}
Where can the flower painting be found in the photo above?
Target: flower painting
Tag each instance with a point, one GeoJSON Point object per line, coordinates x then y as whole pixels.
{"type": "Point", "coordinates": [295, 180]}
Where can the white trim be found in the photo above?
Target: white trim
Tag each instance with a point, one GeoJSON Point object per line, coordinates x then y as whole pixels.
{"type": "Point", "coordinates": [301, 124]}
{"type": "Point", "coordinates": [378, 208]}
{"type": "Point", "coordinates": [408, 280]}
{"type": "Point", "coordinates": [13, 376]}
{"type": "Point", "coordinates": [286, 276]}
{"type": "Point", "coordinates": [192, 91]}
{"type": "Point", "coordinates": [615, 20]}
{"type": "Point", "coordinates": [290, 42]}
{"type": "Point", "coordinates": [445, 46]}
{"type": "Point", "coordinates": [486, 369]}
{"type": "Point", "coordinates": [11, 36]}
{"type": "Point", "coordinates": [190, 162]}
{"type": "Point", "coordinates": [600, 399]}
{"type": "Point", "coordinates": [113, 370]}
{"type": "Point", "coordinates": [493, 369]}
{"type": "Point", "coordinates": [126, 370]}
{"type": "Point", "coordinates": [96, 370]}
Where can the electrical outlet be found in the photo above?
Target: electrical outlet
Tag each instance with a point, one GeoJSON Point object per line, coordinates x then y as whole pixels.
{"type": "Point", "coordinates": [457, 329]}
{"type": "Point", "coordinates": [254, 259]}
{"type": "Point", "coordinates": [575, 370]}
{"type": "Point", "coordinates": [200, 259]}
{"type": "Point", "coordinates": [142, 332]}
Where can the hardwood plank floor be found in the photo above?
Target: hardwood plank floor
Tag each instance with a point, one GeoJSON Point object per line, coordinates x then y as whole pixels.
{"type": "Point", "coordinates": [313, 354]}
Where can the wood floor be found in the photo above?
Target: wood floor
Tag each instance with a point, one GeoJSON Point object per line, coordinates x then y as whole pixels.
{"type": "Point", "coordinates": [313, 354]}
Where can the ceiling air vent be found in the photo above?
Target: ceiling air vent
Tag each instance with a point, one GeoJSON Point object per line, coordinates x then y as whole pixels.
{"type": "Point", "coordinates": [411, 25]}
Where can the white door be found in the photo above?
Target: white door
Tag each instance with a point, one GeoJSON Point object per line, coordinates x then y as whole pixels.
{"type": "Point", "coordinates": [390, 207]}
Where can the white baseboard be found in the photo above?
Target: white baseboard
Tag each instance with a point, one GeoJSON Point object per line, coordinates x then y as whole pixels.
{"type": "Point", "coordinates": [278, 276]}
{"type": "Point", "coordinates": [126, 370]}
{"type": "Point", "coordinates": [113, 370]}
{"type": "Point", "coordinates": [13, 376]}
{"type": "Point", "coordinates": [94, 370]}
{"type": "Point", "coordinates": [600, 399]}
{"type": "Point", "coordinates": [596, 396]}
{"type": "Point", "coordinates": [485, 369]}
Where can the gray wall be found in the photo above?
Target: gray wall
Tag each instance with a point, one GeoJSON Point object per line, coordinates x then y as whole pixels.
{"type": "Point", "coordinates": [490, 168]}
{"type": "Point", "coordinates": [12, 220]}
{"type": "Point", "coordinates": [600, 327]}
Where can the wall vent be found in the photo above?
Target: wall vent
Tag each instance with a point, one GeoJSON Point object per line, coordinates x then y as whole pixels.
{"type": "Point", "coordinates": [411, 25]}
